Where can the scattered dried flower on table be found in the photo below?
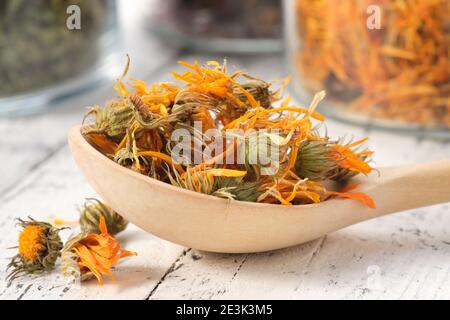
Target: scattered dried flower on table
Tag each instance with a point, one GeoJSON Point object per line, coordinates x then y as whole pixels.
{"type": "Point", "coordinates": [90, 215]}
{"type": "Point", "coordinates": [92, 255]}
{"type": "Point", "coordinates": [39, 248]}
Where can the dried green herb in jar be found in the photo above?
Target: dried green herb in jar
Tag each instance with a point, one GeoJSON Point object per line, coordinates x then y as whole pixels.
{"type": "Point", "coordinates": [38, 50]}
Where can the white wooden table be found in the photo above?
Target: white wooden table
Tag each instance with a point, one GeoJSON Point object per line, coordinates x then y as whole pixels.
{"type": "Point", "coordinates": [402, 256]}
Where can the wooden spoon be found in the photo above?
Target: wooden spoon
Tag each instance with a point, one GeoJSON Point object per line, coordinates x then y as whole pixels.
{"type": "Point", "coordinates": [213, 224]}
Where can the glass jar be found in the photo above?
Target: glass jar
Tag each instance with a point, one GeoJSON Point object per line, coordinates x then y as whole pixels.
{"type": "Point", "coordinates": [251, 26]}
{"type": "Point", "coordinates": [383, 63]}
{"type": "Point", "coordinates": [50, 50]}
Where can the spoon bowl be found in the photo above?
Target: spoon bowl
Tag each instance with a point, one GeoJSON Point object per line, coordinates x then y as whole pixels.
{"type": "Point", "coordinates": [219, 225]}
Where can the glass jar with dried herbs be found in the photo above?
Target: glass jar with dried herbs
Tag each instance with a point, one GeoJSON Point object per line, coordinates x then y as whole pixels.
{"type": "Point", "coordinates": [383, 63]}
{"type": "Point", "coordinates": [249, 27]}
{"type": "Point", "coordinates": [52, 48]}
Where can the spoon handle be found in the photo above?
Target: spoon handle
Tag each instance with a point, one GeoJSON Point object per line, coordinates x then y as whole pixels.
{"type": "Point", "coordinates": [413, 186]}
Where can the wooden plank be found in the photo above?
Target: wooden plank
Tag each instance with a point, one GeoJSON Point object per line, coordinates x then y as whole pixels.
{"type": "Point", "coordinates": [27, 142]}
{"type": "Point", "coordinates": [400, 256]}
{"type": "Point", "coordinates": [396, 257]}
{"type": "Point", "coordinates": [54, 190]}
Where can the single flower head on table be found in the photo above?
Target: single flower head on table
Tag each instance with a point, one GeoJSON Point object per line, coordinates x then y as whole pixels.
{"type": "Point", "coordinates": [91, 212]}
{"type": "Point", "coordinates": [92, 255]}
{"type": "Point", "coordinates": [39, 248]}
{"type": "Point", "coordinates": [89, 218]}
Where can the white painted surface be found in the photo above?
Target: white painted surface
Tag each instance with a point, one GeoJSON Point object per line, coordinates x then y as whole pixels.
{"type": "Point", "coordinates": [402, 256]}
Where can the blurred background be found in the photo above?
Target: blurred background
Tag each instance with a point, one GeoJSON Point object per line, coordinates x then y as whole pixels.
{"type": "Point", "coordinates": [54, 51]}
{"type": "Point", "coordinates": [383, 63]}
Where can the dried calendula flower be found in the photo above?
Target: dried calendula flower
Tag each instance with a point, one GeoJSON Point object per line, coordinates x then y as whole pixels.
{"type": "Point", "coordinates": [239, 190]}
{"type": "Point", "coordinates": [263, 149]}
{"type": "Point", "coordinates": [90, 215]}
{"type": "Point", "coordinates": [349, 158]}
{"type": "Point", "coordinates": [313, 160]}
{"type": "Point", "coordinates": [322, 160]}
{"type": "Point", "coordinates": [112, 120]}
{"type": "Point", "coordinates": [349, 193]}
{"type": "Point", "coordinates": [259, 89]}
{"type": "Point", "coordinates": [92, 255]}
{"type": "Point", "coordinates": [39, 247]}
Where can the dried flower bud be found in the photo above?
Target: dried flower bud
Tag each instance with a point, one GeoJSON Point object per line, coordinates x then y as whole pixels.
{"type": "Point", "coordinates": [314, 161]}
{"type": "Point", "coordinates": [242, 191]}
{"type": "Point", "coordinates": [259, 89]}
{"type": "Point", "coordinates": [350, 159]}
{"type": "Point", "coordinates": [248, 191]}
{"type": "Point", "coordinates": [92, 255]}
{"type": "Point", "coordinates": [39, 247]}
{"type": "Point", "coordinates": [112, 120]}
{"type": "Point", "coordinates": [90, 217]}
{"type": "Point", "coordinates": [322, 160]}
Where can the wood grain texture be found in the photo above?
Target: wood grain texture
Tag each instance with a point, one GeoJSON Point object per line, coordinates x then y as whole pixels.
{"type": "Point", "coordinates": [403, 256]}
{"type": "Point", "coordinates": [53, 190]}
{"type": "Point", "coordinates": [406, 255]}
{"type": "Point", "coordinates": [380, 259]}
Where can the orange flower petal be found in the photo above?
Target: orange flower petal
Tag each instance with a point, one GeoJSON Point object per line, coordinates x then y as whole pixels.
{"type": "Point", "coordinates": [98, 253]}
{"type": "Point", "coordinates": [102, 226]}
{"type": "Point", "coordinates": [359, 196]}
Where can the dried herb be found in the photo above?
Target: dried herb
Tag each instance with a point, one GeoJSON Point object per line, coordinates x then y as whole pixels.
{"type": "Point", "coordinates": [304, 158]}
{"type": "Point", "coordinates": [39, 247]}
{"type": "Point", "coordinates": [37, 49]}
{"type": "Point", "coordinates": [92, 255]}
{"type": "Point", "coordinates": [399, 72]}
{"type": "Point", "coordinates": [91, 213]}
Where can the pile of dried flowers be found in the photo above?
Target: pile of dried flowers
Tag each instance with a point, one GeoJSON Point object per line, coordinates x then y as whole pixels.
{"type": "Point", "coordinates": [91, 253]}
{"type": "Point", "coordinates": [400, 71]}
{"type": "Point", "coordinates": [136, 131]}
